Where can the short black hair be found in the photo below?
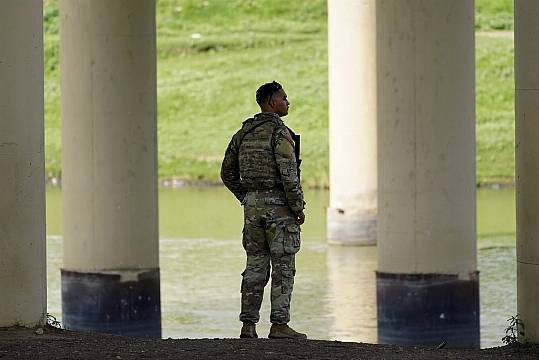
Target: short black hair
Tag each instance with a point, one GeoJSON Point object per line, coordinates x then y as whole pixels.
{"type": "Point", "coordinates": [266, 91]}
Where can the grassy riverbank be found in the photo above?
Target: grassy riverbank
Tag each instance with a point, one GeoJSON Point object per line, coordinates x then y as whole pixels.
{"type": "Point", "coordinates": [213, 54]}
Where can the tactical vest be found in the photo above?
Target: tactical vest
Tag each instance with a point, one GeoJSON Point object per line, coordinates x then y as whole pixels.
{"type": "Point", "coordinates": [258, 168]}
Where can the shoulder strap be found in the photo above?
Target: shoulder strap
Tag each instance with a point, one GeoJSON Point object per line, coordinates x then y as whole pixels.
{"type": "Point", "coordinates": [251, 129]}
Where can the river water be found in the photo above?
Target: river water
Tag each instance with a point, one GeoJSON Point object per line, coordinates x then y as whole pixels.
{"type": "Point", "coordinates": [201, 259]}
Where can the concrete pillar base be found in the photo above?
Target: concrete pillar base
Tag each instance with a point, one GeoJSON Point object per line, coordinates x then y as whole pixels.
{"type": "Point", "coordinates": [351, 226]}
{"type": "Point", "coordinates": [426, 309]}
{"type": "Point", "coordinates": [120, 302]}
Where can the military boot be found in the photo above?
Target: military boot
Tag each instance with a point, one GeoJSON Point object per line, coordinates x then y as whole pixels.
{"type": "Point", "coordinates": [248, 331]}
{"type": "Point", "coordinates": [283, 331]}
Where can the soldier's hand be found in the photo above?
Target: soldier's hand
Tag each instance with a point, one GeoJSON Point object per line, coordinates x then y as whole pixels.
{"type": "Point", "coordinates": [300, 218]}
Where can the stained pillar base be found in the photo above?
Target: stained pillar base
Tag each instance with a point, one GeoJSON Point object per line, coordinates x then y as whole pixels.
{"type": "Point", "coordinates": [120, 302]}
{"type": "Point", "coordinates": [351, 226]}
{"type": "Point", "coordinates": [427, 309]}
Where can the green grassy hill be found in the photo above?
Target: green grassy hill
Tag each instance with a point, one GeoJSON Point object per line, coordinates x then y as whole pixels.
{"type": "Point", "coordinates": [213, 54]}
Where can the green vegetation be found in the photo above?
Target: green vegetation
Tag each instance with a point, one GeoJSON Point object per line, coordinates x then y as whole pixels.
{"type": "Point", "coordinates": [515, 332]}
{"type": "Point", "coordinates": [495, 122]}
{"type": "Point", "coordinates": [494, 14]}
{"type": "Point", "coordinates": [213, 54]}
{"type": "Point", "coordinates": [53, 146]}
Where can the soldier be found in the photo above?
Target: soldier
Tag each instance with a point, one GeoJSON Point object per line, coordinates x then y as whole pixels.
{"type": "Point", "coordinates": [260, 168]}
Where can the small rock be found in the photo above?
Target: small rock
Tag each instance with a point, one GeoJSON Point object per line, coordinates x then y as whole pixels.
{"type": "Point", "coordinates": [118, 357]}
{"type": "Point", "coordinates": [39, 331]}
{"type": "Point", "coordinates": [441, 345]}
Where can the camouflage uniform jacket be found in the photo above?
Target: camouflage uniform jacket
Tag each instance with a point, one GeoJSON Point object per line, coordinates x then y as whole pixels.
{"type": "Point", "coordinates": [261, 156]}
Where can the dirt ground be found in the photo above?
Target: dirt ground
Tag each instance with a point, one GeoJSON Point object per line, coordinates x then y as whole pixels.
{"type": "Point", "coordinates": [17, 343]}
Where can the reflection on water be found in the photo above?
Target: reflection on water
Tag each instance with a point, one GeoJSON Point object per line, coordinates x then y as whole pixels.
{"type": "Point", "coordinates": [352, 285]}
{"type": "Point", "coordinates": [496, 213]}
{"type": "Point", "coordinates": [201, 259]}
{"type": "Point", "coordinates": [498, 292]}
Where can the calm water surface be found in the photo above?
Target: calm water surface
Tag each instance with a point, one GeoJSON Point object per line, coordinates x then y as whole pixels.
{"type": "Point", "coordinates": [201, 259]}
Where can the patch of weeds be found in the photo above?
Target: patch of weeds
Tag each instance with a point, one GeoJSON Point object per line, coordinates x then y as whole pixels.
{"type": "Point", "coordinates": [52, 321]}
{"type": "Point", "coordinates": [515, 332]}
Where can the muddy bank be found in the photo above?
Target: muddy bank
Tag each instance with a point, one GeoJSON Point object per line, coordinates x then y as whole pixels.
{"type": "Point", "coordinates": [17, 343]}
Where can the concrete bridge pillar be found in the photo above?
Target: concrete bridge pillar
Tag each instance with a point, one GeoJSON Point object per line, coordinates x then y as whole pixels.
{"type": "Point", "coordinates": [351, 216]}
{"type": "Point", "coordinates": [527, 160]}
{"type": "Point", "coordinates": [427, 279]}
{"type": "Point", "coordinates": [110, 277]}
{"type": "Point", "coordinates": [23, 280]}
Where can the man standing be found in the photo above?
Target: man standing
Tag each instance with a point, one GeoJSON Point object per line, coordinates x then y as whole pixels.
{"type": "Point", "coordinates": [260, 168]}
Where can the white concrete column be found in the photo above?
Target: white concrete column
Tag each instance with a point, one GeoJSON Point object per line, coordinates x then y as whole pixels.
{"type": "Point", "coordinates": [527, 160]}
{"type": "Point", "coordinates": [23, 280]}
{"type": "Point", "coordinates": [426, 187]}
{"type": "Point", "coordinates": [109, 173]}
{"type": "Point", "coordinates": [351, 217]}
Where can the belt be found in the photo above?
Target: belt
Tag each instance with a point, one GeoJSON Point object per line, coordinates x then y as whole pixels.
{"type": "Point", "coordinates": [265, 197]}
{"type": "Point", "coordinates": [277, 188]}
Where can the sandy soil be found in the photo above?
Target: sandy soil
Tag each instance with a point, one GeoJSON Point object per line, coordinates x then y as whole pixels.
{"type": "Point", "coordinates": [17, 343]}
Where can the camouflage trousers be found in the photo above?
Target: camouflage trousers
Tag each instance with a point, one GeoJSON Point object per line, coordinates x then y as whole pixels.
{"type": "Point", "coordinates": [271, 238]}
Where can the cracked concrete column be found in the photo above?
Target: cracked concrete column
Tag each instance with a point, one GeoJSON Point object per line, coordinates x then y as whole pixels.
{"type": "Point", "coordinates": [427, 279]}
{"type": "Point", "coordinates": [110, 277]}
{"type": "Point", "coordinates": [23, 275]}
{"type": "Point", "coordinates": [527, 160]}
{"type": "Point", "coordinates": [351, 216]}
